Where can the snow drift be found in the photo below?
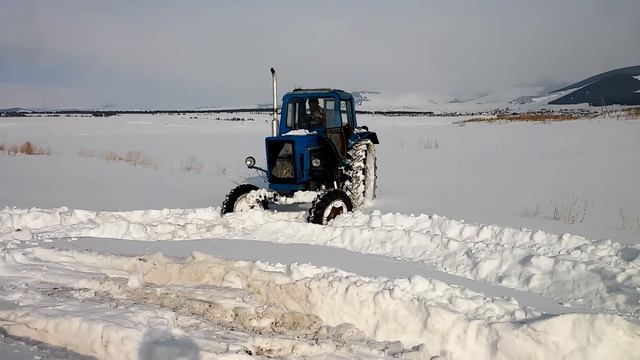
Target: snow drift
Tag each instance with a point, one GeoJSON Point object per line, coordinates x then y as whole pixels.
{"type": "Point", "coordinates": [603, 275]}
{"type": "Point", "coordinates": [154, 297]}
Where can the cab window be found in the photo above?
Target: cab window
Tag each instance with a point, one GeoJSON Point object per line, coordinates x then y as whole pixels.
{"type": "Point", "coordinates": [332, 120]}
{"type": "Point", "coordinates": [309, 113]}
{"type": "Point", "coordinates": [346, 112]}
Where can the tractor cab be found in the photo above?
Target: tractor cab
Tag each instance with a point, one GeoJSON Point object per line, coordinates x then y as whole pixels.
{"type": "Point", "coordinates": [328, 113]}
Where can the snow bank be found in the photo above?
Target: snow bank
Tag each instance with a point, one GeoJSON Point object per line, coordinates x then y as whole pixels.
{"type": "Point", "coordinates": [112, 317]}
{"type": "Point", "coordinates": [603, 274]}
{"type": "Point", "coordinates": [93, 313]}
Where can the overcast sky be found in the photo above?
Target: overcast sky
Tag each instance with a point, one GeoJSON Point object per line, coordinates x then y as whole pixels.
{"type": "Point", "coordinates": [186, 54]}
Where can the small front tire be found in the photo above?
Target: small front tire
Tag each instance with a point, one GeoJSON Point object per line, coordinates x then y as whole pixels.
{"type": "Point", "coordinates": [328, 206]}
{"type": "Point", "coordinates": [238, 200]}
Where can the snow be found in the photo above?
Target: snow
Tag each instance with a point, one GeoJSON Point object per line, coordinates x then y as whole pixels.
{"type": "Point", "coordinates": [599, 274]}
{"type": "Point", "coordinates": [107, 259]}
{"type": "Point", "coordinates": [299, 132]}
{"type": "Point", "coordinates": [326, 305]}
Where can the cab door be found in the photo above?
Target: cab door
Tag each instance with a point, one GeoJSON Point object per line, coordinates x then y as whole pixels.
{"type": "Point", "coordinates": [333, 126]}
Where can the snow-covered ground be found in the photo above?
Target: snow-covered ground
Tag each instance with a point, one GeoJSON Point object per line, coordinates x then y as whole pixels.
{"type": "Point", "coordinates": [113, 245]}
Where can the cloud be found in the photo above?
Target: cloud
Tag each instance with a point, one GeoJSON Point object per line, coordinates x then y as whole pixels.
{"type": "Point", "coordinates": [162, 54]}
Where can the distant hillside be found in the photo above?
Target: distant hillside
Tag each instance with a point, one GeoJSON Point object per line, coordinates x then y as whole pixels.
{"type": "Point", "coordinates": [14, 110]}
{"type": "Point", "coordinates": [620, 86]}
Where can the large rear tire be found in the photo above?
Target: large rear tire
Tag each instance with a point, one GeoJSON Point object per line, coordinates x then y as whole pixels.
{"type": "Point", "coordinates": [370, 173]}
{"type": "Point", "coordinates": [238, 200]}
{"type": "Point", "coordinates": [360, 173]}
{"type": "Point", "coordinates": [327, 206]}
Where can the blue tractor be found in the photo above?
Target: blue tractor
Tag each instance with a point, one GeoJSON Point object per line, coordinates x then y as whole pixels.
{"type": "Point", "coordinates": [316, 146]}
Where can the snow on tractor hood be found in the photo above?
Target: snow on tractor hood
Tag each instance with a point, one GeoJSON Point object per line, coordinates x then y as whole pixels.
{"type": "Point", "coordinates": [300, 132]}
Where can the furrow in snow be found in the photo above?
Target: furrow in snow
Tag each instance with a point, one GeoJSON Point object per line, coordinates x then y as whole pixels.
{"type": "Point", "coordinates": [433, 317]}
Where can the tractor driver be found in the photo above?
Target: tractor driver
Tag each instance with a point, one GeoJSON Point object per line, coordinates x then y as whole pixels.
{"type": "Point", "coordinates": [317, 113]}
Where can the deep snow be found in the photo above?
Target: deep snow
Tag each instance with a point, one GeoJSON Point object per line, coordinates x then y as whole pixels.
{"type": "Point", "coordinates": [602, 274]}
{"type": "Point", "coordinates": [107, 306]}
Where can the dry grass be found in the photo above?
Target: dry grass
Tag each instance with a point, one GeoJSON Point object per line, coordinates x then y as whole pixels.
{"type": "Point", "coordinates": [134, 158]}
{"type": "Point", "coordinates": [26, 148]}
{"type": "Point", "coordinates": [528, 117]}
{"type": "Point", "coordinates": [193, 165]}
{"type": "Point", "coordinates": [572, 212]}
{"type": "Point", "coordinates": [628, 222]}
{"type": "Point", "coordinates": [88, 153]}
{"type": "Point", "coordinates": [632, 113]}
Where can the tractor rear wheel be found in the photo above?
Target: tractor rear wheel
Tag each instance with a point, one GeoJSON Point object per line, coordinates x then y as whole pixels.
{"type": "Point", "coordinates": [238, 200]}
{"type": "Point", "coordinates": [360, 173]}
{"type": "Point", "coordinates": [329, 205]}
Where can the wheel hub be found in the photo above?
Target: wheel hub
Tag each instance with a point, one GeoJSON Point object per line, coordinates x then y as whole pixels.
{"type": "Point", "coordinates": [243, 204]}
{"type": "Point", "coordinates": [334, 209]}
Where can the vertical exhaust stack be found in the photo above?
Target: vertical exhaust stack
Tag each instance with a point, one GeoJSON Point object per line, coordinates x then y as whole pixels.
{"type": "Point", "coordinates": [274, 122]}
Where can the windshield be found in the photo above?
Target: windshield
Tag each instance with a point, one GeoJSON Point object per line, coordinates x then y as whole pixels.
{"type": "Point", "coordinates": [308, 113]}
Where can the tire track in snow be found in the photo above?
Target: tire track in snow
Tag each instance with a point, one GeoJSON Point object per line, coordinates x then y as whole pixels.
{"type": "Point", "coordinates": [430, 315]}
{"type": "Point", "coordinates": [108, 305]}
{"type": "Point", "coordinates": [332, 257]}
{"type": "Point", "coordinates": [603, 275]}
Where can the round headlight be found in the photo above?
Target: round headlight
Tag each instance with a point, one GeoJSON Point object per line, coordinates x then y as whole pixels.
{"type": "Point", "coordinates": [249, 161]}
{"type": "Point", "coordinates": [315, 162]}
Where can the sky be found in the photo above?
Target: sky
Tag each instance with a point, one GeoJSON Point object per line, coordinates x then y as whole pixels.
{"type": "Point", "coordinates": [189, 54]}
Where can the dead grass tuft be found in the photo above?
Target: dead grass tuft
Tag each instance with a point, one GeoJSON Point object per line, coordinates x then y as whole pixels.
{"type": "Point", "coordinates": [137, 158]}
{"type": "Point", "coordinates": [192, 165]}
{"type": "Point", "coordinates": [628, 222]}
{"type": "Point", "coordinates": [572, 212]}
{"type": "Point", "coordinates": [632, 113]}
{"type": "Point", "coordinates": [134, 158]}
{"type": "Point", "coordinates": [87, 153]}
{"type": "Point", "coordinates": [26, 148]}
{"type": "Point", "coordinates": [528, 117]}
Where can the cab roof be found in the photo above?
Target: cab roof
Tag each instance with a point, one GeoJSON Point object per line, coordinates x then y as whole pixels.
{"type": "Point", "coordinates": [342, 95]}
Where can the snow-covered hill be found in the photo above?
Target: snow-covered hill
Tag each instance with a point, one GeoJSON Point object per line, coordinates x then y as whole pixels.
{"type": "Point", "coordinates": [615, 87]}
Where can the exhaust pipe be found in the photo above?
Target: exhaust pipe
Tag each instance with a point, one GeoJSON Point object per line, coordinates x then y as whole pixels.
{"type": "Point", "coordinates": [274, 122]}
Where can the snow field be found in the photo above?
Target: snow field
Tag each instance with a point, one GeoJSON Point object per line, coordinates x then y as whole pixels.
{"type": "Point", "coordinates": [515, 174]}
{"type": "Point", "coordinates": [337, 310]}
{"type": "Point", "coordinates": [511, 174]}
{"type": "Point", "coordinates": [602, 275]}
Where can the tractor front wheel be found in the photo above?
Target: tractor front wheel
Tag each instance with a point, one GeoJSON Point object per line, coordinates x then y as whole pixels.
{"type": "Point", "coordinates": [239, 200]}
{"type": "Point", "coordinates": [329, 205]}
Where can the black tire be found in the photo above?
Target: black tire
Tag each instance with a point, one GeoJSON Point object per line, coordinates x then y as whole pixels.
{"type": "Point", "coordinates": [360, 173]}
{"type": "Point", "coordinates": [238, 193]}
{"type": "Point", "coordinates": [329, 205]}
{"type": "Point", "coordinates": [371, 173]}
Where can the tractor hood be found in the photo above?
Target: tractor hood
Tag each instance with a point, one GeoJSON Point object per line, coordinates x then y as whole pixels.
{"type": "Point", "coordinates": [288, 159]}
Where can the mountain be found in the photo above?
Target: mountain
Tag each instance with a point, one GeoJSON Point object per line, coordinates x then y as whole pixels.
{"type": "Point", "coordinates": [619, 86]}
{"type": "Point", "coordinates": [360, 96]}
{"type": "Point", "coordinates": [15, 110]}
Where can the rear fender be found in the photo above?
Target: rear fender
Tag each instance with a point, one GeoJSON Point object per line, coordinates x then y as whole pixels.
{"type": "Point", "coordinates": [365, 135]}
